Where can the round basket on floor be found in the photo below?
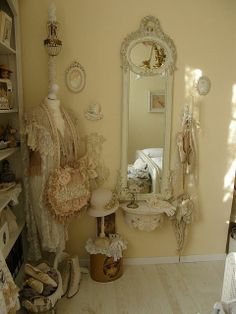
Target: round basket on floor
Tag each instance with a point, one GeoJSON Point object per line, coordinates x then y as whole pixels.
{"type": "Point", "coordinates": [47, 304]}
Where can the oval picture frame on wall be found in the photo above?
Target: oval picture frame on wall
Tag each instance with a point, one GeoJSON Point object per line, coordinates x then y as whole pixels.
{"type": "Point", "coordinates": [75, 77]}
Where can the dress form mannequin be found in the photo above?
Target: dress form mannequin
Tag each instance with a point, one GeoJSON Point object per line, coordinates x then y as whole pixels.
{"type": "Point", "coordinates": [54, 106]}
{"type": "Point", "coordinates": [57, 152]}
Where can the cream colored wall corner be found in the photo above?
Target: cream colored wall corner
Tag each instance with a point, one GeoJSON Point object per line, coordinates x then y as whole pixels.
{"type": "Point", "coordinates": [92, 32]}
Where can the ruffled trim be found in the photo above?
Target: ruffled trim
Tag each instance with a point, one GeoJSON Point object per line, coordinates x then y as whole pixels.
{"type": "Point", "coordinates": [38, 138]}
{"type": "Point", "coordinates": [67, 191]}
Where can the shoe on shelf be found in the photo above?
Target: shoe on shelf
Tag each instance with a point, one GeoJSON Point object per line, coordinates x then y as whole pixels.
{"type": "Point", "coordinates": [39, 275]}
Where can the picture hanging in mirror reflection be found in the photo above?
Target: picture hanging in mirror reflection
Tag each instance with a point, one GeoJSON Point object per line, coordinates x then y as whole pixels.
{"type": "Point", "coordinates": [156, 101]}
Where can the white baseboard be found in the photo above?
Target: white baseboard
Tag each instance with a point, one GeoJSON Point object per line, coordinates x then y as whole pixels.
{"type": "Point", "coordinates": [203, 258]}
{"type": "Point", "coordinates": [174, 259]}
{"type": "Point", "coordinates": [151, 260]}
{"type": "Point", "coordinates": [166, 260]}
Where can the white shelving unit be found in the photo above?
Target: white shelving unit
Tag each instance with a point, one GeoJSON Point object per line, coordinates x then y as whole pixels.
{"type": "Point", "coordinates": [10, 55]}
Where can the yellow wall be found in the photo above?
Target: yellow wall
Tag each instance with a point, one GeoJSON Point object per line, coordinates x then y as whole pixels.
{"type": "Point", "coordinates": [92, 32]}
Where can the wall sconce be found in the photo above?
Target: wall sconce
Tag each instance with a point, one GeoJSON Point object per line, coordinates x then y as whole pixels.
{"type": "Point", "coordinates": [52, 44]}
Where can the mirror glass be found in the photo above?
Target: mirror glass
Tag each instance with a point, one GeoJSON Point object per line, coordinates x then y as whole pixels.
{"type": "Point", "coordinates": [146, 132]}
{"type": "Point", "coordinates": [148, 57]}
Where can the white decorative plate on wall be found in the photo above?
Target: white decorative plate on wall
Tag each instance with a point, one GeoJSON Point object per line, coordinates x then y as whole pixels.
{"type": "Point", "coordinates": [203, 85]}
{"type": "Point", "coordinates": [75, 77]}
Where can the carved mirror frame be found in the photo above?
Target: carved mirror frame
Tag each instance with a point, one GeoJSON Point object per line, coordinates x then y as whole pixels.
{"type": "Point", "coordinates": [149, 30]}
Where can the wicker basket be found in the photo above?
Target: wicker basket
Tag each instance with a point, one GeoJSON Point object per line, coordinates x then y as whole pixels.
{"type": "Point", "coordinates": [46, 305]}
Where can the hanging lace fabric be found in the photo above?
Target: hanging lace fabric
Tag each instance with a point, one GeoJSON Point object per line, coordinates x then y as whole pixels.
{"type": "Point", "coordinates": [186, 175]}
{"type": "Point", "coordinates": [187, 149]}
{"type": "Point", "coordinates": [67, 188]}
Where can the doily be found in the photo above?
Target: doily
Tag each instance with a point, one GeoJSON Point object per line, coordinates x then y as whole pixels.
{"type": "Point", "coordinates": [115, 249]}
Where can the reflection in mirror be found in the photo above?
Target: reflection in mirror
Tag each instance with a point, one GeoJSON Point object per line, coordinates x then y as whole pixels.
{"type": "Point", "coordinates": [148, 55]}
{"type": "Point", "coordinates": [148, 60]}
{"type": "Point", "coordinates": [146, 133]}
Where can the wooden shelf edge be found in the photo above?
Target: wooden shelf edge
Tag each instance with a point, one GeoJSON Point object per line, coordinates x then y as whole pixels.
{"type": "Point", "coordinates": [6, 197]}
{"type": "Point", "coordinates": [9, 111]}
{"type": "Point", "coordinates": [6, 152]}
{"type": "Point", "coordinates": [5, 49]}
{"type": "Point", "coordinates": [6, 250]}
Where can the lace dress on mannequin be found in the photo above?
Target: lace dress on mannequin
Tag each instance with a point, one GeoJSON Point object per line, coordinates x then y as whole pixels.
{"type": "Point", "coordinates": [52, 139]}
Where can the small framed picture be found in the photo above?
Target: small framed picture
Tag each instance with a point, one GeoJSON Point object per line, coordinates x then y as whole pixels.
{"type": "Point", "coordinates": [156, 101]}
{"type": "Point", "coordinates": [5, 27]}
{"type": "Point", "coordinates": [75, 77]}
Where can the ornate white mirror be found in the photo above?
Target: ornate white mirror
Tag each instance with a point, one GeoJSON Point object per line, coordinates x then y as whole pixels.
{"type": "Point", "coordinates": [148, 61]}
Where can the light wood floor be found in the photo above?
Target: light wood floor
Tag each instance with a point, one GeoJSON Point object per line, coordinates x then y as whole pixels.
{"type": "Point", "coordinates": [186, 288]}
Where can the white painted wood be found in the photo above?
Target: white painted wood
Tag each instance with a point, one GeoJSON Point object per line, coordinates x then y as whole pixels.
{"type": "Point", "coordinates": [6, 250]}
{"type": "Point", "coordinates": [151, 260]}
{"type": "Point", "coordinates": [15, 110]}
{"type": "Point", "coordinates": [4, 49]}
{"type": "Point", "coordinates": [203, 258]}
{"type": "Point", "coordinates": [7, 196]}
{"type": "Point", "coordinates": [125, 126]}
{"type": "Point", "coordinates": [4, 153]}
{"type": "Point", "coordinates": [184, 288]}
{"type": "Point", "coordinates": [141, 35]}
{"type": "Point", "coordinates": [174, 259]}
{"type": "Point", "coordinates": [158, 296]}
{"type": "Point", "coordinates": [201, 282]}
